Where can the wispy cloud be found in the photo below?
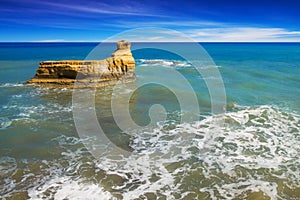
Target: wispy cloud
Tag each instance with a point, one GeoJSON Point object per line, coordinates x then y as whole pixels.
{"type": "Point", "coordinates": [74, 19]}
{"type": "Point", "coordinates": [224, 34]}
{"type": "Point", "coordinates": [236, 34]}
{"type": "Point", "coordinates": [171, 23]}
{"type": "Point", "coordinates": [212, 31]}
{"type": "Point", "coordinates": [134, 9]}
{"type": "Point", "coordinates": [244, 34]}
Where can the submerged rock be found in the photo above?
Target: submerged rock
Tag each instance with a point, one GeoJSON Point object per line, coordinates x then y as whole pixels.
{"type": "Point", "coordinates": [119, 68]}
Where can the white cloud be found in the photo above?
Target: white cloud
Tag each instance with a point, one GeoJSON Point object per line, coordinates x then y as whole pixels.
{"type": "Point", "coordinates": [235, 34]}
{"type": "Point", "coordinates": [244, 34]}
{"type": "Point", "coordinates": [210, 31]}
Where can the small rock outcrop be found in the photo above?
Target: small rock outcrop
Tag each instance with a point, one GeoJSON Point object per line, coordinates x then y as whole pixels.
{"type": "Point", "coordinates": [119, 68]}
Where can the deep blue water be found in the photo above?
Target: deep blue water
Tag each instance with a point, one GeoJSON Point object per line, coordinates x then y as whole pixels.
{"type": "Point", "coordinates": [255, 152]}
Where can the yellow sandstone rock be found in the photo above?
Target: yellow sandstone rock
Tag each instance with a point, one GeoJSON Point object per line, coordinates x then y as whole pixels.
{"type": "Point", "coordinates": [119, 68]}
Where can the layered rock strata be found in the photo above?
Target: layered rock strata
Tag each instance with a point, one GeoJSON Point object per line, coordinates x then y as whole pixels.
{"type": "Point", "coordinates": [119, 68]}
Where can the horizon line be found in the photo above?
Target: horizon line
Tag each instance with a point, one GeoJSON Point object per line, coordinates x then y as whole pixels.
{"type": "Point", "coordinates": [151, 41]}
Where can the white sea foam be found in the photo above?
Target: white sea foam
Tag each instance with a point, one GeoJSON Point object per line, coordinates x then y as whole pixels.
{"type": "Point", "coordinates": [4, 122]}
{"type": "Point", "coordinates": [23, 111]}
{"type": "Point", "coordinates": [65, 140]}
{"type": "Point", "coordinates": [222, 156]}
{"type": "Point", "coordinates": [252, 139]}
{"type": "Point", "coordinates": [171, 63]}
{"type": "Point", "coordinates": [164, 63]}
{"type": "Point", "coordinates": [8, 166]}
{"type": "Point", "coordinates": [5, 85]}
{"type": "Point", "coordinates": [66, 188]}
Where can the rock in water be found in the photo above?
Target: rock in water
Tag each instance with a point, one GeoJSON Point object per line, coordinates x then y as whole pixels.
{"type": "Point", "coordinates": [119, 68]}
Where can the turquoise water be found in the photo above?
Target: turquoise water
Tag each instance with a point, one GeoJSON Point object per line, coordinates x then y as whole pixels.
{"type": "Point", "coordinates": [253, 153]}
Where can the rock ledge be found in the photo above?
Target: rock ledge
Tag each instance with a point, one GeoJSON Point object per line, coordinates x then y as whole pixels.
{"type": "Point", "coordinates": [119, 68]}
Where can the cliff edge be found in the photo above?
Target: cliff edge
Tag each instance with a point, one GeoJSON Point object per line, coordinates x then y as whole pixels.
{"type": "Point", "coordinates": [119, 68]}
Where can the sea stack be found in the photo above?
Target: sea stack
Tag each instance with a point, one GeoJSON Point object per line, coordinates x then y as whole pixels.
{"type": "Point", "coordinates": [119, 68]}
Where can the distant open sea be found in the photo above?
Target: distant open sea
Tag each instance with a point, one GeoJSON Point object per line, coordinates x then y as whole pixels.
{"type": "Point", "coordinates": [255, 154]}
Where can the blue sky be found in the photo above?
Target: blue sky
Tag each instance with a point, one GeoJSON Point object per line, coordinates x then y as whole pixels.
{"type": "Point", "coordinates": [92, 20]}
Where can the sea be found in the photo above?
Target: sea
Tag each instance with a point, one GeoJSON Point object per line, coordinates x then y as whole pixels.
{"type": "Point", "coordinates": [240, 139]}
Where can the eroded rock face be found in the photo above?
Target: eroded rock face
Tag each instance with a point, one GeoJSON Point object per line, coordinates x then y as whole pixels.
{"type": "Point", "coordinates": [119, 68]}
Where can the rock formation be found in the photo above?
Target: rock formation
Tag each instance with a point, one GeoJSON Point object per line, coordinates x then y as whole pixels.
{"type": "Point", "coordinates": [119, 68]}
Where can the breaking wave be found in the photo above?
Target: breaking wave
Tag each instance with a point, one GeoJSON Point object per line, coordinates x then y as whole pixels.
{"type": "Point", "coordinates": [169, 63]}
{"type": "Point", "coordinates": [164, 63]}
{"type": "Point", "coordinates": [250, 152]}
{"type": "Point", "coordinates": [254, 151]}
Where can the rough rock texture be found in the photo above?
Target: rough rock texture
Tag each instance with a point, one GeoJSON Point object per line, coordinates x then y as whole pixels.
{"type": "Point", "coordinates": [119, 68]}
